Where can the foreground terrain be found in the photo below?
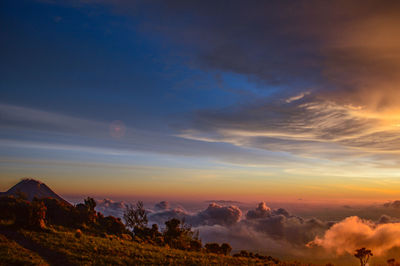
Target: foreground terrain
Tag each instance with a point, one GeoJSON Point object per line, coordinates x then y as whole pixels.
{"type": "Point", "coordinates": [63, 247]}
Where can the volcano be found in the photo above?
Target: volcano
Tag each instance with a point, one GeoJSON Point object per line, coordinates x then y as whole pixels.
{"type": "Point", "coordinates": [32, 188]}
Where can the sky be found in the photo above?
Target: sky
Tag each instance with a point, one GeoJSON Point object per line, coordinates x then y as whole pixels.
{"type": "Point", "coordinates": [268, 100]}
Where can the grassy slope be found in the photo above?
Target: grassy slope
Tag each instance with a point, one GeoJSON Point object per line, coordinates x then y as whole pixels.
{"type": "Point", "coordinates": [11, 253]}
{"type": "Point", "coordinates": [62, 247]}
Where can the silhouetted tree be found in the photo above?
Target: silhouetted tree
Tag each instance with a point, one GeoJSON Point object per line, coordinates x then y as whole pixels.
{"type": "Point", "coordinates": [135, 216]}
{"type": "Point", "coordinates": [363, 255]}
{"type": "Point", "coordinates": [180, 235]}
{"type": "Point", "coordinates": [225, 249]}
{"type": "Point", "coordinates": [172, 228]}
{"type": "Point", "coordinates": [87, 213]}
{"type": "Point", "coordinates": [154, 231]}
{"type": "Point", "coordinates": [90, 203]}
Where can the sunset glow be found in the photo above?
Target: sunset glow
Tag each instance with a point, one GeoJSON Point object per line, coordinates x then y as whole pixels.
{"type": "Point", "coordinates": [271, 125]}
{"type": "Point", "coordinates": [254, 119]}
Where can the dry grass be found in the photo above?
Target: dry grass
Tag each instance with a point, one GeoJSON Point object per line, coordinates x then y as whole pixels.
{"type": "Point", "coordinates": [11, 253]}
{"type": "Point", "coordinates": [63, 247]}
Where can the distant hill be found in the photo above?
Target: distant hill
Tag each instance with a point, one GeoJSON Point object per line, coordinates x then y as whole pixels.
{"type": "Point", "coordinates": [32, 188]}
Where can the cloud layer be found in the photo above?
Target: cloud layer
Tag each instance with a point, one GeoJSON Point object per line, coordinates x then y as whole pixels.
{"type": "Point", "coordinates": [215, 214]}
{"type": "Point", "coordinates": [353, 233]}
{"type": "Point", "coordinates": [268, 230]}
{"type": "Point", "coordinates": [347, 52]}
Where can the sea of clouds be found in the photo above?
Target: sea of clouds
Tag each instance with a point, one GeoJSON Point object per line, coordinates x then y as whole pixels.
{"type": "Point", "coordinates": [264, 229]}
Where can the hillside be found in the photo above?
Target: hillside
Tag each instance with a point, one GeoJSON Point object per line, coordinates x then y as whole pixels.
{"type": "Point", "coordinates": [37, 227]}
{"type": "Point", "coordinates": [63, 247]}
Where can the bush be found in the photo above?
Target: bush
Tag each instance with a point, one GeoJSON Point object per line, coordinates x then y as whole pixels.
{"type": "Point", "coordinates": [215, 248]}
{"type": "Point", "coordinates": [180, 236]}
{"type": "Point", "coordinates": [225, 249]}
{"type": "Point", "coordinates": [61, 213]}
{"type": "Point", "coordinates": [126, 237]}
{"type": "Point", "coordinates": [78, 233]}
{"type": "Point", "coordinates": [23, 213]}
{"type": "Point", "coordinates": [212, 248]}
{"type": "Point", "coordinates": [111, 225]}
{"type": "Point", "coordinates": [14, 209]}
{"type": "Point", "coordinates": [242, 253]}
{"type": "Point", "coordinates": [195, 245]}
{"type": "Point", "coordinates": [37, 215]}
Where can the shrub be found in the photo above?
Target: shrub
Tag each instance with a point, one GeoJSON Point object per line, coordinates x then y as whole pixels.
{"type": "Point", "coordinates": [212, 248]}
{"type": "Point", "coordinates": [225, 249]}
{"type": "Point", "coordinates": [242, 253]}
{"type": "Point", "coordinates": [195, 245]}
{"type": "Point", "coordinates": [111, 225]}
{"type": "Point", "coordinates": [61, 213]}
{"type": "Point", "coordinates": [23, 213]}
{"type": "Point", "coordinates": [126, 237]}
{"type": "Point", "coordinates": [14, 209]}
{"type": "Point", "coordinates": [78, 233]}
{"type": "Point", "coordinates": [90, 204]}
{"type": "Point", "coordinates": [178, 235]}
{"type": "Point", "coordinates": [86, 212]}
{"type": "Point", "coordinates": [37, 215]}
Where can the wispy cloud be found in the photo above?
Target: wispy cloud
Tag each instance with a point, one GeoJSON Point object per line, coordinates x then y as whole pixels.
{"type": "Point", "coordinates": [297, 97]}
{"type": "Point", "coordinates": [56, 131]}
{"type": "Point", "coordinates": [309, 126]}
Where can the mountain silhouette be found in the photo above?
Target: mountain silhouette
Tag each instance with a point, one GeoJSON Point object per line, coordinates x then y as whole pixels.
{"type": "Point", "coordinates": [32, 188]}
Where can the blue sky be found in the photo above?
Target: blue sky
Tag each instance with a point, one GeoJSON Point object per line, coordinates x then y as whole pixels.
{"type": "Point", "coordinates": [275, 99]}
